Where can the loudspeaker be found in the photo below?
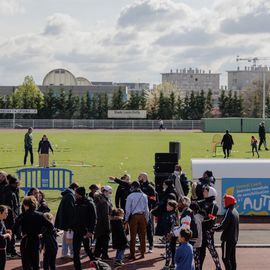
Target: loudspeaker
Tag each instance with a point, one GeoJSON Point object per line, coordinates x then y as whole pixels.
{"type": "Point", "coordinates": [165, 167]}
{"type": "Point", "coordinates": [175, 147]}
{"type": "Point", "coordinates": [166, 157]}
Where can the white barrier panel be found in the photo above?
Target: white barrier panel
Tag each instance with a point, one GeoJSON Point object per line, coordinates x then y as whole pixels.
{"type": "Point", "coordinates": [247, 180]}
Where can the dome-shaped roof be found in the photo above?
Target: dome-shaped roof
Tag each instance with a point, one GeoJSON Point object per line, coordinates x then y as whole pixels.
{"type": "Point", "coordinates": [59, 76]}
{"type": "Point", "coordinates": [83, 81]}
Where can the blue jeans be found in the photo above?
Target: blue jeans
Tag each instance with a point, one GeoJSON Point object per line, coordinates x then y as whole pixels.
{"type": "Point", "coordinates": [65, 246]}
{"type": "Point", "coordinates": [119, 254]}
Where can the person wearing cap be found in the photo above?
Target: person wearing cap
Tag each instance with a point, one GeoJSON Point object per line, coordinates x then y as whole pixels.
{"type": "Point", "coordinates": [11, 199]}
{"type": "Point", "coordinates": [137, 216]}
{"type": "Point", "coordinates": [210, 209]}
{"type": "Point", "coordinates": [227, 143]}
{"type": "Point", "coordinates": [262, 136]}
{"type": "Point", "coordinates": [84, 223]}
{"type": "Point", "coordinates": [230, 232]}
{"type": "Point", "coordinates": [103, 229]}
{"type": "Point", "coordinates": [64, 217]}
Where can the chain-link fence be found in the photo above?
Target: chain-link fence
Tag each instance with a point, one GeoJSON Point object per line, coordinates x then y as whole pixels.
{"type": "Point", "coordinates": [98, 124]}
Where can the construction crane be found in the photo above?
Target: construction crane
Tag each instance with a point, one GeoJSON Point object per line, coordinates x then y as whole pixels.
{"type": "Point", "coordinates": [251, 59]}
{"type": "Point", "coordinates": [254, 60]}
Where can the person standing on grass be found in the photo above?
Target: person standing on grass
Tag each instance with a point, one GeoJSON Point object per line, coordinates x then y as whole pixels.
{"type": "Point", "coordinates": [262, 136]}
{"type": "Point", "coordinates": [227, 143]}
{"type": "Point", "coordinates": [28, 146]}
{"type": "Point", "coordinates": [161, 125]}
{"type": "Point", "coordinates": [4, 235]}
{"type": "Point", "coordinates": [253, 144]}
{"type": "Point", "coordinates": [230, 234]}
{"type": "Point", "coordinates": [137, 216]}
{"type": "Point", "coordinates": [43, 150]}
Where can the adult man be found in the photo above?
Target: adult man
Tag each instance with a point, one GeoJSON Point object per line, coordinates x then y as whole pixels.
{"type": "Point", "coordinates": [161, 125]}
{"type": "Point", "coordinates": [262, 136]}
{"type": "Point", "coordinates": [150, 192]}
{"type": "Point", "coordinates": [64, 216]}
{"type": "Point", "coordinates": [229, 236]}
{"type": "Point", "coordinates": [84, 222]}
{"type": "Point", "coordinates": [102, 232]}
{"type": "Point", "coordinates": [227, 143]}
{"type": "Point", "coordinates": [180, 181]}
{"type": "Point", "coordinates": [28, 146]}
{"type": "Point", "coordinates": [137, 215]}
{"type": "Point", "coordinates": [3, 183]}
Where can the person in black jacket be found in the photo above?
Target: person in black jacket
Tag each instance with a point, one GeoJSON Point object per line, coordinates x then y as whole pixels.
{"type": "Point", "coordinates": [33, 224]}
{"type": "Point", "coordinates": [43, 149]}
{"type": "Point", "coordinates": [3, 184]}
{"type": "Point", "coordinates": [227, 143]}
{"type": "Point", "coordinates": [209, 209]}
{"type": "Point", "coordinates": [262, 136]}
{"type": "Point", "coordinates": [230, 234]}
{"type": "Point", "coordinates": [123, 190]}
{"type": "Point", "coordinates": [180, 181]}
{"type": "Point", "coordinates": [49, 245]}
{"type": "Point", "coordinates": [150, 192]}
{"type": "Point", "coordinates": [4, 235]}
{"type": "Point", "coordinates": [12, 200]}
{"type": "Point", "coordinates": [84, 223]}
{"type": "Point", "coordinates": [119, 238]}
{"type": "Point", "coordinates": [64, 216]}
{"type": "Point", "coordinates": [169, 189]}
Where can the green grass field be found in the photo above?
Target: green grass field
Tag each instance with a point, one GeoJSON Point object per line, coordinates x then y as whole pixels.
{"type": "Point", "coordinates": [95, 155]}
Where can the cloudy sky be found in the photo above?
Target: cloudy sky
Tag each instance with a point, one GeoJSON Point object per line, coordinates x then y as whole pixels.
{"type": "Point", "coordinates": [129, 40]}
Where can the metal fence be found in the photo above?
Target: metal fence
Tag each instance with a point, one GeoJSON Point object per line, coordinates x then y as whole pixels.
{"type": "Point", "coordinates": [98, 124]}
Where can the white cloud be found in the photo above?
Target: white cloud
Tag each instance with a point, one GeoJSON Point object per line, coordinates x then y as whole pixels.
{"type": "Point", "coordinates": [11, 7]}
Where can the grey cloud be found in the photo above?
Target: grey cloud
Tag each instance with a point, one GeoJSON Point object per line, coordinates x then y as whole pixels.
{"type": "Point", "coordinates": [120, 38]}
{"type": "Point", "coordinates": [195, 37]}
{"type": "Point", "coordinates": [147, 13]}
{"type": "Point", "coordinates": [248, 24]}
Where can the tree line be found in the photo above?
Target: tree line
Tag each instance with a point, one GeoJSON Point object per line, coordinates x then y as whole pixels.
{"type": "Point", "coordinates": [164, 102]}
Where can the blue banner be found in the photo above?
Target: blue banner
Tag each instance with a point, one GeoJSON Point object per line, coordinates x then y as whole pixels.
{"type": "Point", "coordinates": [252, 194]}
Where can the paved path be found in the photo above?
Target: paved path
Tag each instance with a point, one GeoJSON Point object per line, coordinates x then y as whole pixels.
{"type": "Point", "coordinates": [247, 259]}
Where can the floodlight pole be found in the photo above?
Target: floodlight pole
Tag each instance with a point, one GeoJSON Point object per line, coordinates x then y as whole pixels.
{"type": "Point", "coordinates": [263, 109]}
{"type": "Point", "coordinates": [14, 117]}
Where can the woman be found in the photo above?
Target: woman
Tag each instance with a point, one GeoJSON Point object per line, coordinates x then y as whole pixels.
{"type": "Point", "coordinates": [43, 150]}
{"type": "Point", "coordinates": [32, 224]}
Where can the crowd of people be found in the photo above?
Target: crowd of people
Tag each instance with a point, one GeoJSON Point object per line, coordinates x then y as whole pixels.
{"type": "Point", "coordinates": [185, 224]}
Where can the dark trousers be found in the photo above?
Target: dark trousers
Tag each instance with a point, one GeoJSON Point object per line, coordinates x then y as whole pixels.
{"type": "Point", "coordinates": [254, 149]}
{"type": "Point", "coordinates": [228, 255]}
{"type": "Point", "coordinates": [101, 247]}
{"type": "Point", "coordinates": [172, 249]}
{"type": "Point", "coordinates": [78, 239]}
{"type": "Point", "coordinates": [30, 253]}
{"type": "Point", "coordinates": [149, 231]}
{"type": "Point", "coordinates": [11, 245]}
{"type": "Point", "coordinates": [208, 242]}
{"type": "Point", "coordinates": [49, 259]}
{"type": "Point", "coordinates": [262, 141]}
{"type": "Point", "coordinates": [226, 151]}
{"type": "Point", "coordinates": [30, 150]}
{"type": "Point", "coordinates": [3, 258]}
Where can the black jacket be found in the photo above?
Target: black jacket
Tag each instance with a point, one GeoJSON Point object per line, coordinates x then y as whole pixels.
{"type": "Point", "coordinates": [227, 141]}
{"type": "Point", "coordinates": [209, 210]}
{"type": "Point", "coordinates": [165, 220]}
{"type": "Point", "coordinates": [49, 242]}
{"type": "Point", "coordinates": [166, 194]}
{"type": "Point", "coordinates": [3, 241]}
{"type": "Point", "coordinates": [104, 209]}
{"type": "Point", "coordinates": [44, 147]}
{"type": "Point", "coordinates": [85, 216]}
{"type": "Point", "coordinates": [123, 190]}
{"type": "Point", "coordinates": [150, 192]}
{"type": "Point", "coordinates": [65, 211]}
{"type": "Point", "coordinates": [119, 238]}
{"type": "Point", "coordinates": [262, 132]}
{"type": "Point", "coordinates": [184, 182]}
{"type": "Point", "coordinates": [229, 226]}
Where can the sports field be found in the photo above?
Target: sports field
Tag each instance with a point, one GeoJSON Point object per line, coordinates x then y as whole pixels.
{"type": "Point", "coordinates": [95, 155]}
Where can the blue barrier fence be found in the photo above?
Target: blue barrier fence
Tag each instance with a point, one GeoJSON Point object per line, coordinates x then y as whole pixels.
{"type": "Point", "coordinates": [45, 178]}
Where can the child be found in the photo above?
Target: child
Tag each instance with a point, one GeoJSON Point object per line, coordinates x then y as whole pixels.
{"type": "Point", "coordinates": [167, 219]}
{"type": "Point", "coordinates": [184, 253]}
{"type": "Point", "coordinates": [119, 238]}
{"type": "Point", "coordinates": [50, 246]}
{"type": "Point", "coordinates": [4, 234]}
{"type": "Point", "coordinates": [253, 144]}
